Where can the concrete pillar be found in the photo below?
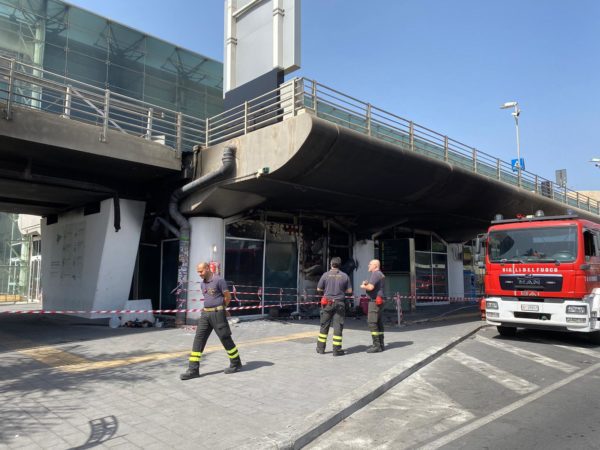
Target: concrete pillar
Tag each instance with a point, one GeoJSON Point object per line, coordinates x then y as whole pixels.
{"type": "Point", "coordinates": [456, 286]}
{"type": "Point", "coordinates": [86, 264]}
{"type": "Point", "coordinates": [364, 252]}
{"type": "Point", "coordinates": [207, 243]}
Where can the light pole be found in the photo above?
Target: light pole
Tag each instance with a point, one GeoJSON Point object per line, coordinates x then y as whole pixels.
{"type": "Point", "coordinates": [515, 114]}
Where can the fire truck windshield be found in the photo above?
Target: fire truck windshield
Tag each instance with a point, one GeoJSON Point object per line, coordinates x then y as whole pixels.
{"type": "Point", "coordinates": [533, 245]}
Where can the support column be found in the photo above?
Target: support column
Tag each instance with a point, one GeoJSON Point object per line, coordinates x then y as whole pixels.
{"type": "Point", "coordinates": [363, 252]}
{"type": "Point", "coordinates": [207, 243]}
{"type": "Point", "coordinates": [456, 286]}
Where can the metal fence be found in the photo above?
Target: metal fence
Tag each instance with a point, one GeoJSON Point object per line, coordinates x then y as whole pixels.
{"type": "Point", "coordinates": [32, 87]}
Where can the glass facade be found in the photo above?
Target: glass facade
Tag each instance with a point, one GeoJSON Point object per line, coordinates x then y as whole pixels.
{"type": "Point", "coordinates": [20, 256]}
{"type": "Point", "coordinates": [78, 44]}
{"type": "Point", "coordinates": [276, 260]}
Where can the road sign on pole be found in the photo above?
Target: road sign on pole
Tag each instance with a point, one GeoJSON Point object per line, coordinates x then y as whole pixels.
{"type": "Point", "coordinates": [516, 166]}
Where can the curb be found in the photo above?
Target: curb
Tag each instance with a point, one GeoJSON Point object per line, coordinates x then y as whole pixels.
{"type": "Point", "coordinates": [442, 318]}
{"type": "Point", "coordinates": [318, 423]}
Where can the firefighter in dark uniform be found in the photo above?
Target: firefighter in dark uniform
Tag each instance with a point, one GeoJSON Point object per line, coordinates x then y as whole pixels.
{"type": "Point", "coordinates": [374, 288]}
{"type": "Point", "coordinates": [216, 298]}
{"type": "Point", "coordinates": [334, 285]}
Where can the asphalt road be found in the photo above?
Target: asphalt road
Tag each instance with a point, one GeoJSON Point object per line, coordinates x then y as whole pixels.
{"type": "Point", "coordinates": [536, 391]}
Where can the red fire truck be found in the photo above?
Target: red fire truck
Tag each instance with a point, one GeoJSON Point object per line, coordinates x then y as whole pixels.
{"type": "Point", "coordinates": [543, 272]}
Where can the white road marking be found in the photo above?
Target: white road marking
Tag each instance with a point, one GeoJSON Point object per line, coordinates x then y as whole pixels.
{"type": "Point", "coordinates": [582, 350]}
{"type": "Point", "coordinates": [540, 359]}
{"type": "Point", "coordinates": [444, 440]}
{"type": "Point", "coordinates": [502, 377]}
{"type": "Point", "coordinates": [411, 410]}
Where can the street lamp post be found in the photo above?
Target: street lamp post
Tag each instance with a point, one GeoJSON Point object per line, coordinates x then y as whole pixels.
{"type": "Point", "coordinates": [515, 114]}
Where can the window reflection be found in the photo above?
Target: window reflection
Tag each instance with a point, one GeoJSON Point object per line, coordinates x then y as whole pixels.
{"type": "Point", "coordinates": [76, 43]}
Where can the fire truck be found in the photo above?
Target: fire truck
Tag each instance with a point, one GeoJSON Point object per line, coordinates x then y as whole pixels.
{"type": "Point", "coordinates": [543, 272]}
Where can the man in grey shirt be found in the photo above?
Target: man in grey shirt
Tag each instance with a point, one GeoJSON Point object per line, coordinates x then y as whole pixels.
{"type": "Point", "coordinates": [216, 298]}
{"type": "Point", "coordinates": [334, 285]}
{"type": "Point", "coordinates": [374, 288]}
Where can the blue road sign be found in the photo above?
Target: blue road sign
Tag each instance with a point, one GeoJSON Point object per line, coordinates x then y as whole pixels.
{"type": "Point", "coordinates": [515, 166]}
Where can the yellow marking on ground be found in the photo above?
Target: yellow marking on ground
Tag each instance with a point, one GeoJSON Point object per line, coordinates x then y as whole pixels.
{"type": "Point", "coordinates": [53, 357]}
{"type": "Point", "coordinates": [86, 365]}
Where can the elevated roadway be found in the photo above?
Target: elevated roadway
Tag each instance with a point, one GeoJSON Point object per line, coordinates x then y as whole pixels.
{"type": "Point", "coordinates": [308, 164]}
{"type": "Point", "coordinates": [50, 164]}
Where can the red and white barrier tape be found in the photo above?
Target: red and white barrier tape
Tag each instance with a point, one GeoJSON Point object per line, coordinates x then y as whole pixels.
{"type": "Point", "coordinates": [139, 311]}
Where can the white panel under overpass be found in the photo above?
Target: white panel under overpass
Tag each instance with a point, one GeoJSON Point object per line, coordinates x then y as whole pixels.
{"type": "Point", "coordinates": [456, 285]}
{"type": "Point", "coordinates": [86, 264]}
{"type": "Point", "coordinates": [260, 35]}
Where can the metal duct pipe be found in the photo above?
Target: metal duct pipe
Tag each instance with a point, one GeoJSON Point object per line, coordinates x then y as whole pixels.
{"type": "Point", "coordinates": [228, 164]}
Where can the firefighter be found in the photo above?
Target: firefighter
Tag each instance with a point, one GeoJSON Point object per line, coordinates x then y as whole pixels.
{"type": "Point", "coordinates": [334, 285]}
{"type": "Point", "coordinates": [374, 288]}
{"type": "Point", "coordinates": [216, 299]}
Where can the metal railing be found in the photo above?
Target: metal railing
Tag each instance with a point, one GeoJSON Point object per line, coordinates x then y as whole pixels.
{"type": "Point", "coordinates": [301, 95]}
{"type": "Point", "coordinates": [31, 87]}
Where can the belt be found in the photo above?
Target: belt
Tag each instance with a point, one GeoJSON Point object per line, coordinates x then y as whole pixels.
{"type": "Point", "coordinates": [215, 308]}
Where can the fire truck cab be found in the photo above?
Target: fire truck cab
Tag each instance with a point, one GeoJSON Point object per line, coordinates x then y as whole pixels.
{"type": "Point", "coordinates": [543, 272]}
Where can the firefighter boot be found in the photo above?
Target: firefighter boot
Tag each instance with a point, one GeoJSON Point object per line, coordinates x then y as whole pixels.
{"type": "Point", "coordinates": [376, 347]}
{"type": "Point", "coordinates": [193, 371]}
{"type": "Point", "coordinates": [234, 366]}
{"type": "Point", "coordinates": [381, 342]}
{"type": "Point", "coordinates": [337, 351]}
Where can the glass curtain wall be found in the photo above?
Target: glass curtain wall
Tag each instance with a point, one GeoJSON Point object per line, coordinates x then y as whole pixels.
{"type": "Point", "coordinates": [78, 44]}
{"type": "Point", "coordinates": [19, 262]}
{"type": "Point", "coordinates": [431, 269]}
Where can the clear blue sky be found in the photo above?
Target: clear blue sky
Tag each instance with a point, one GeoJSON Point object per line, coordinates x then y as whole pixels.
{"type": "Point", "coordinates": [446, 65]}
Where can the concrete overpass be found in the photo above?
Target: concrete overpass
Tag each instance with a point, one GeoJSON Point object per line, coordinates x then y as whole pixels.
{"type": "Point", "coordinates": [50, 164]}
{"type": "Point", "coordinates": [368, 168]}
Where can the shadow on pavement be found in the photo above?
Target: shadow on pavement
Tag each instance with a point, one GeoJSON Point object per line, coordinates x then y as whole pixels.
{"type": "Point", "coordinates": [25, 382]}
{"type": "Point", "coordinates": [29, 331]}
{"type": "Point", "coordinates": [101, 430]}
{"type": "Point", "coordinates": [390, 346]}
{"type": "Point", "coordinates": [246, 367]}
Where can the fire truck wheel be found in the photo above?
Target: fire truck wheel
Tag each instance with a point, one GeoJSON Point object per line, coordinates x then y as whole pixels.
{"type": "Point", "coordinates": [595, 337]}
{"type": "Point", "coordinates": [507, 331]}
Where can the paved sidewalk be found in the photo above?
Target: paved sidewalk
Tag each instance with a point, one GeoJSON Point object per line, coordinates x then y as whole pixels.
{"type": "Point", "coordinates": [67, 382]}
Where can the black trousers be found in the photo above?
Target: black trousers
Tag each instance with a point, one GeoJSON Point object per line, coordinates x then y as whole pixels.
{"type": "Point", "coordinates": [334, 313]}
{"type": "Point", "coordinates": [209, 321]}
{"type": "Point", "coordinates": [375, 321]}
